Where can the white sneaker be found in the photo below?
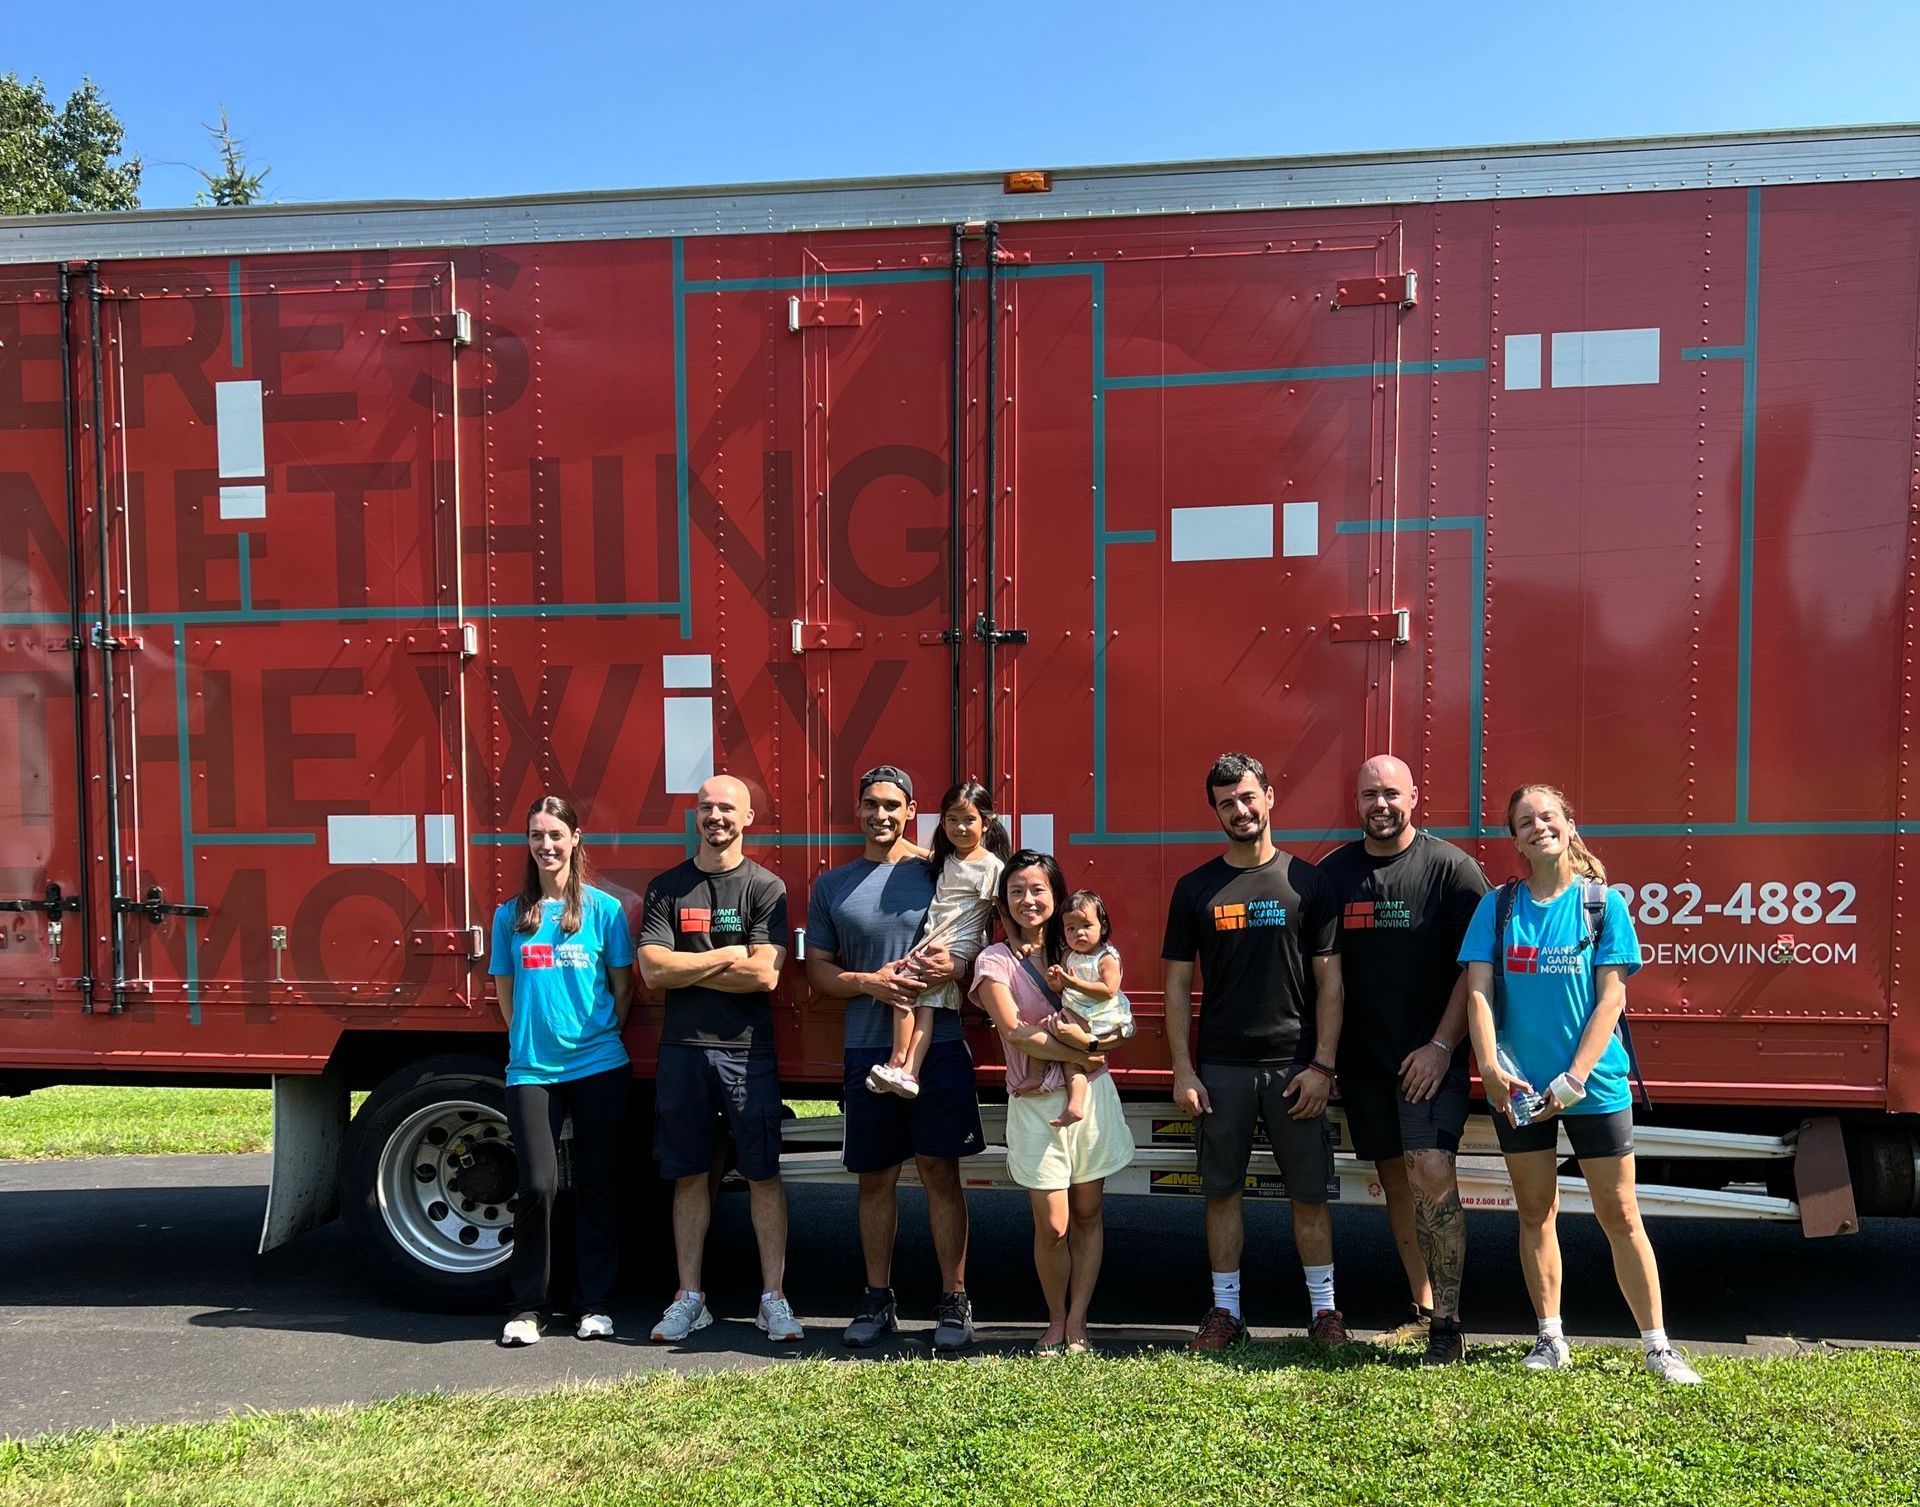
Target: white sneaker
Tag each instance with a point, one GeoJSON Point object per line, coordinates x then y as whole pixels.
{"type": "Point", "coordinates": [594, 1326]}
{"type": "Point", "coordinates": [1549, 1353]}
{"type": "Point", "coordinates": [885, 1078]}
{"type": "Point", "coordinates": [1669, 1365]}
{"type": "Point", "coordinates": [524, 1330]}
{"type": "Point", "coordinates": [683, 1316]}
{"type": "Point", "coordinates": [777, 1322]}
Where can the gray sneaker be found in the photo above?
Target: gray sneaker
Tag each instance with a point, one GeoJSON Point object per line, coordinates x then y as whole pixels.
{"type": "Point", "coordinates": [873, 1323]}
{"type": "Point", "coordinates": [1549, 1353]}
{"type": "Point", "coordinates": [683, 1316]}
{"type": "Point", "coordinates": [1668, 1365]}
{"type": "Point", "coordinates": [953, 1322]}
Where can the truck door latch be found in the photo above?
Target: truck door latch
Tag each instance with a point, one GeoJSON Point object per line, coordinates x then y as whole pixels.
{"type": "Point", "coordinates": [155, 907]}
{"type": "Point", "coordinates": [53, 904]}
{"type": "Point", "coordinates": [988, 632]}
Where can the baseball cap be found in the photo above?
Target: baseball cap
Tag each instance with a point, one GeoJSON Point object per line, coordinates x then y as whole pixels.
{"type": "Point", "coordinates": [888, 774]}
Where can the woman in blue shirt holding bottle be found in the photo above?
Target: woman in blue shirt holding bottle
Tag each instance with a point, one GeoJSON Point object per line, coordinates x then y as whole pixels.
{"type": "Point", "coordinates": [1563, 989]}
{"type": "Point", "coordinates": [562, 965]}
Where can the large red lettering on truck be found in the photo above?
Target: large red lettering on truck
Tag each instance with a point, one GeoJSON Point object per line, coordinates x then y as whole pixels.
{"type": "Point", "coordinates": [320, 559]}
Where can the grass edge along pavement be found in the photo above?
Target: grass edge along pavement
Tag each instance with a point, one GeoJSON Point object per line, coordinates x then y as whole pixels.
{"type": "Point", "coordinates": [1265, 1423]}
{"type": "Point", "coordinates": [52, 1124]}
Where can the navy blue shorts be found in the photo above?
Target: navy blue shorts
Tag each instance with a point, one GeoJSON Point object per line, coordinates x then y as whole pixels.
{"type": "Point", "coordinates": [697, 1090]}
{"type": "Point", "coordinates": [883, 1130]}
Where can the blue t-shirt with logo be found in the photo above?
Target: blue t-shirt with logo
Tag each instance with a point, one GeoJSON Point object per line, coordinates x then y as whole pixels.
{"type": "Point", "coordinates": [1549, 986]}
{"type": "Point", "coordinates": [564, 1026]}
{"type": "Point", "coordinates": [868, 914]}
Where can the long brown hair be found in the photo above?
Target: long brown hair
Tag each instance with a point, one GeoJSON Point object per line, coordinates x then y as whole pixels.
{"type": "Point", "coordinates": [530, 895]}
{"type": "Point", "coordinates": [1583, 858]}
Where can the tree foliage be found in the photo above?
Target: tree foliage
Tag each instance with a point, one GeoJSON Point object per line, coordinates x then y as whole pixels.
{"type": "Point", "coordinates": [233, 184]}
{"type": "Point", "coordinates": [62, 161]}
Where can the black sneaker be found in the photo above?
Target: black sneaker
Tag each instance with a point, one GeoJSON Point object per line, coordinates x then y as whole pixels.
{"type": "Point", "coordinates": [953, 1322]}
{"type": "Point", "coordinates": [1446, 1345]}
{"type": "Point", "coordinates": [874, 1322]}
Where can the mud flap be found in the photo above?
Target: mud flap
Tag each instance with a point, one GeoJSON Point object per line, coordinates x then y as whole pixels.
{"type": "Point", "coordinates": [1822, 1182]}
{"type": "Point", "coordinates": [309, 1128]}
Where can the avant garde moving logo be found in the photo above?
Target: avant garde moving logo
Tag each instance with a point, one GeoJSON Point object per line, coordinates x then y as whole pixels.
{"type": "Point", "coordinates": [1248, 915]}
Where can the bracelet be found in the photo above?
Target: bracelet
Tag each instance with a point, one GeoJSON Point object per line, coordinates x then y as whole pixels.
{"type": "Point", "coordinates": [1323, 1070]}
{"type": "Point", "coordinates": [1437, 1042]}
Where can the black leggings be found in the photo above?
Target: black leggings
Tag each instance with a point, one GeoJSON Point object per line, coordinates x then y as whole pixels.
{"type": "Point", "coordinates": [535, 1112]}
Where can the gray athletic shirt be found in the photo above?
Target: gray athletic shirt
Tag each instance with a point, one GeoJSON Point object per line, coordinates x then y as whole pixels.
{"type": "Point", "coordinates": [866, 914]}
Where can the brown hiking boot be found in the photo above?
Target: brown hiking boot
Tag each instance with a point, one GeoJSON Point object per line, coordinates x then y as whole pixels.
{"type": "Point", "coordinates": [1415, 1328]}
{"type": "Point", "coordinates": [1219, 1330]}
{"type": "Point", "coordinates": [1329, 1329]}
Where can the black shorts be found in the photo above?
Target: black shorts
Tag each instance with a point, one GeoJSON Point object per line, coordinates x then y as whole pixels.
{"type": "Point", "coordinates": [1384, 1125]}
{"type": "Point", "coordinates": [1243, 1093]}
{"type": "Point", "coordinates": [883, 1130]}
{"type": "Point", "coordinates": [1593, 1137]}
{"type": "Point", "coordinates": [697, 1087]}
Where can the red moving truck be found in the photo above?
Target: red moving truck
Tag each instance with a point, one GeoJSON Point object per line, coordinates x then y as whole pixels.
{"type": "Point", "coordinates": [330, 536]}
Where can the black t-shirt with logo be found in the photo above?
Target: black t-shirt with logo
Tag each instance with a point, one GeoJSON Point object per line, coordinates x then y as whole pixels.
{"type": "Point", "coordinates": [1252, 931]}
{"type": "Point", "coordinates": [1401, 922]}
{"type": "Point", "coordinates": [688, 909]}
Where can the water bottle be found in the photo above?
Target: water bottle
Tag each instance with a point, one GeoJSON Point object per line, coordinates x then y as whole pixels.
{"type": "Point", "coordinates": [1525, 1105]}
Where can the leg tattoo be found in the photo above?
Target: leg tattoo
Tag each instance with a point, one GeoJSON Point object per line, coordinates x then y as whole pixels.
{"type": "Point", "coordinates": [1441, 1228]}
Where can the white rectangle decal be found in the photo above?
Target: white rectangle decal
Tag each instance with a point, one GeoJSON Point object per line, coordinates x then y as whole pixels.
{"type": "Point", "coordinates": [1522, 366]}
{"type": "Point", "coordinates": [237, 420]}
{"type": "Point", "coordinates": [1606, 358]}
{"type": "Point", "coordinates": [439, 839]}
{"type": "Point", "coordinates": [243, 502]}
{"type": "Point", "coordinates": [686, 672]}
{"type": "Point", "coordinates": [1036, 831]}
{"type": "Point", "coordinates": [1240, 531]}
{"type": "Point", "coordinates": [689, 746]}
{"type": "Point", "coordinates": [371, 839]}
{"type": "Point", "coordinates": [1300, 528]}
{"type": "Point", "coordinates": [923, 824]}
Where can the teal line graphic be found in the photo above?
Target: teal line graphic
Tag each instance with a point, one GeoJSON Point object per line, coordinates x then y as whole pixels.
{"type": "Point", "coordinates": [236, 337]}
{"type": "Point", "coordinates": [183, 752]}
{"type": "Point", "coordinates": [678, 839]}
{"type": "Point", "coordinates": [243, 563]}
{"type": "Point", "coordinates": [251, 840]}
{"type": "Point", "coordinates": [1158, 380]}
{"type": "Point", "coordinates": [1477, 640]}
{"type": "Point", "coordinates": [1747, 353]}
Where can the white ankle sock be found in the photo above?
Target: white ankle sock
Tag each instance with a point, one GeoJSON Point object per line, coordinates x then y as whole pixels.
{"type": "Point", "coordinates": [1654, 1339]}
{"type": "Point", "coordinates": [1226, 1292]}
{"type": "Point", "coordinates": [1320, 1287]}
{"type": "Point", "coordinates": [1552, 1327]}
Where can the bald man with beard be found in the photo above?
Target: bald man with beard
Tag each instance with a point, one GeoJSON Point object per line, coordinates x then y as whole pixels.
{"type": "Point", "coordinates": [713, 938]}
{"type": "Point", "coordinates": [1405, 900]}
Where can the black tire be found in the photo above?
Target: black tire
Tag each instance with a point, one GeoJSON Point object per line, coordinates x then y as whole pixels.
{"type": "Point", "coordinates": [445, 1115]}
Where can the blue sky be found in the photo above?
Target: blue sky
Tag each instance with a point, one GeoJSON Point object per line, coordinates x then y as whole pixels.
{"type": "Point", "coordinates": [352, 100]}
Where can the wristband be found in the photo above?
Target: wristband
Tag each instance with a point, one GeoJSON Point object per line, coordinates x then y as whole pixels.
{"type": "Point", "coordinates": [1567, 1090]}
{"type": "Point", "coordinates": [1323, 1070]}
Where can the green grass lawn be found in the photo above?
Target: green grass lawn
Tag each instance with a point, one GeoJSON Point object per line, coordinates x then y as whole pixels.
{"type": "Point", "coordinates": [64, 1122]}
{"type": "Point", "coordinates": [1269, 1424]}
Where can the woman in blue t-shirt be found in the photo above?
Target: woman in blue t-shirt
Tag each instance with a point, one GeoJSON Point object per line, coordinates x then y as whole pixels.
{"type": "Point", "coordinates": [562, 966]}
{"type": "Point", "coordinates": [1563, 990]}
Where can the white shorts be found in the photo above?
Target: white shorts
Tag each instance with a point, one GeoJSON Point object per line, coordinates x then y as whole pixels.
{"type": "Point", "coordinates": [1042, 1156]}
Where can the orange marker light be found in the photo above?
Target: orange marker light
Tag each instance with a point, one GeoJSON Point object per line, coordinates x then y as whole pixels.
{"type": "Point", "coordinates": [1028, 180]}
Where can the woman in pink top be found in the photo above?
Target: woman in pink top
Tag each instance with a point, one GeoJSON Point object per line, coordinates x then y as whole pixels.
{"type": "Point", "coordinates": [1063, 1167]}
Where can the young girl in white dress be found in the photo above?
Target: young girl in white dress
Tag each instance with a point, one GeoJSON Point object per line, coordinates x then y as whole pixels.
{"type": "Point", "coordinates": [1093, 1009]}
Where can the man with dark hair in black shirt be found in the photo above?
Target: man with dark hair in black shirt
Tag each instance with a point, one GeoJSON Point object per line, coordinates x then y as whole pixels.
{"type": "Point", "coordinates": [1257, 920]}
{"type": "Point", "coordinates": [1405, 900]}
{"type": "Point", "coordinates": [713, 936]}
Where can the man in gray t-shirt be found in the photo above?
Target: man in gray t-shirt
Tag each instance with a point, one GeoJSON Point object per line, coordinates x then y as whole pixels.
{"type": "Point", "coordinates": [863, 918]}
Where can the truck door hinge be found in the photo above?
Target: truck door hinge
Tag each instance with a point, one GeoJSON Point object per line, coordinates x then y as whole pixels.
{"type": "Point", "coordinates": [456, 326]}
{"type": "Point", "coordinates": [819, 312]}
{"type": "Point", "coordinates": [460, 941]}
{"type": "Point", "coordinates": [802, 636]}
{"type": "Point", "coordinates": [1389, 627]}
{"type": "Point", "coordinates": [1402, 288]}
{"type": "Point", "coordinates": [462, 639]}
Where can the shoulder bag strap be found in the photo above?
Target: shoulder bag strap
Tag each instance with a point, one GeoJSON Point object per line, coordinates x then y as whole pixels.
{"type": "Point", "coordinates": [1594, 898]}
